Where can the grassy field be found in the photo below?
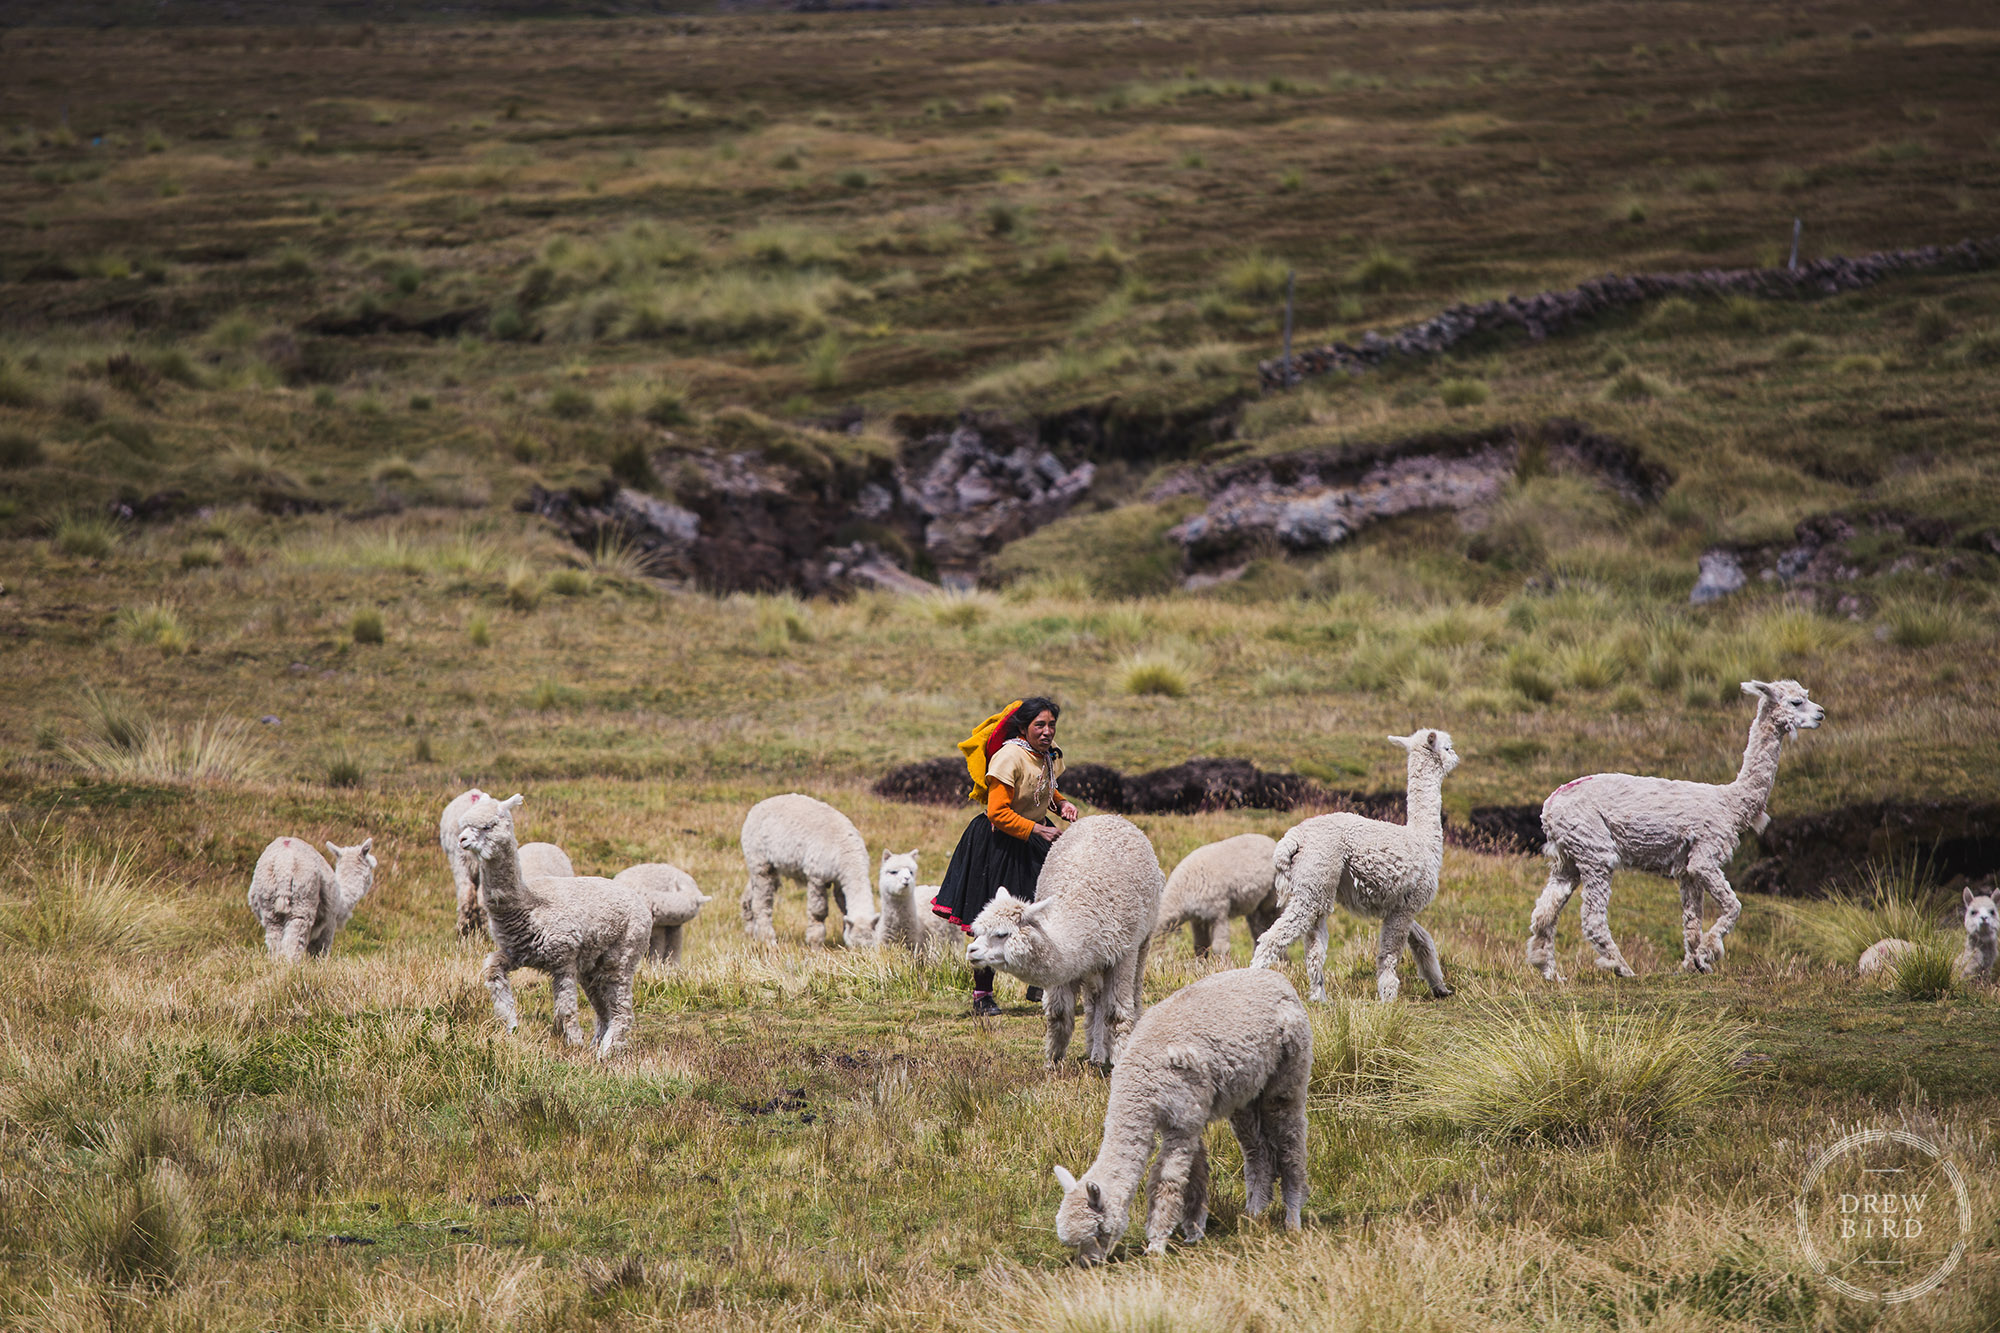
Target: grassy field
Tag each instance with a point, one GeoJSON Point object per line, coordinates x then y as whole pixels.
{"type": "Point", "coordinates": [333, 298]}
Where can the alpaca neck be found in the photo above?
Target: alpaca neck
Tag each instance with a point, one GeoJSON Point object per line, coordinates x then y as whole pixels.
{"type": "Point", "coordinates": [501, 882]}
{"type": "Point", "coordinates": [1423, 806]}
{"type": "Point", "coordinates": [1752, 787]}
{"type": "Point", "coordinates": [859, 888]}
{"type": "Point", "coordinates": [1121, 1162]}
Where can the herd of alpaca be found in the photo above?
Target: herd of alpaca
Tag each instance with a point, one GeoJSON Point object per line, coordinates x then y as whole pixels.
{"type": "Point", "coordinates": [1235, 1045]}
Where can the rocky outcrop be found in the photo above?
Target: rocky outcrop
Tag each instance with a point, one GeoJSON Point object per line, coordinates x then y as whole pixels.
{"type": "Point", "coordinates": [1316, 499]}
{"type": "Point", "coordinates": [980, 486]}
{"type": "Point", "coordinates": [1551, 312]}
{"type": "Point", "coordinates": [1830, 553]}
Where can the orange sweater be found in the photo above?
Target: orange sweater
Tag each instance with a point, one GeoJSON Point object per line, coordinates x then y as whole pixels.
{"type": "Point", "coordinates": [1000, 809]}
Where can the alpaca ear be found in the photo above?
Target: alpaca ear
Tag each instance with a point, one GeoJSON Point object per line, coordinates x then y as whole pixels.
{"type": "Point", "coordinates": [1403, 741]}
{"type": "Point", "coordinates": [1035, 909]}
{"type": "Point", "coordinates": [367, 845]}
{"type": "Point", "coordinates": [333, 851]}
{"type": "Point", "coordinates": [1000, 895]}
{"type": "Point", "coordinates": [1096, 1195]}
{"type": "Point", "coordinates": [1065, 1179]}
{"type": "Point", "coordinates": [512, 803]}
{"type": "Point", "coordinates": [1758, 688]}
{"type": "Point", "coordinates": [1431, 740]}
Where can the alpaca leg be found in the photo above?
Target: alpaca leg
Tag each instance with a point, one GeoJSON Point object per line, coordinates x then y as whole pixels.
{"type": "Point", "coordinates": [292, 942]}
{"type": "Point", "coordinates": [1388, 953]}
{"type": "Point", "coordinates": [1316, 961]}
{"type": "Point", "coordinates": [1285, 1129]}
{"type": "Point", "coordinates": [563, 983]}
{"type": "Point", "coordinates": [1059, 1008]}
{"type": "Point", "coordinates": [1424, 949]}
{"type": "Point", "coordinates": [1260, 917]}
{"type": "Point", "coordinates": [1290, 927]}
{"type": "Point", "coordinates": [816, 912]}
{"type": "Point", "coordinates": [1717, 887]}
{"type": "Point", "coordinates": [1257, 1159]}
{"type": "Point", "coordinates": [471, 916]}
{"type": "Point", "coordinates": [1597, 920]}
{"type": "Point", "coordinates": [1218, 939]}
{"type": "Point", "coordinates": [1202, 936]}
{"type": "Point", "coordinates": [613, 1001]}
{"type": "Point", "coordinates": [1100, 998]}
{"type": "Point", "coordinates": [1693, 957]}
{"type": "Point", "coordinates": [494, 974]}
{"type": "Point", "coordinates": [1194, 1199]}
{"type": "Point", "coordinates": [1125, 983]}
{"type": "Point", "coordinates": [1166, 1190]}
{"type": "Point", "coordinates": [667, 944]}
{"type": "Point", "coordinates": [760, 896]}
{"type": "Point", "coordinates": [274, 938]}
{"type": "Point", "coordinates": [1542, 927]}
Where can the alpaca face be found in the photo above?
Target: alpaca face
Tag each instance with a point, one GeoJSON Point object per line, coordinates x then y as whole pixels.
{"type": "Point", "coordinates": [994, 929]}
{"type": "Point", "coordinates": [1982, 917]}
{"type": "Point", "coordinates": [353, 870]}
{"type": "Point", "coordinates": [1429, 748]}
{"type": "Point", "coordinates": [1081, 1221]}
{"type": "Point", "coordinates": [899, 872]}
{"type": "Point", "coordinates": [1789, 703]}
{"type": "Point", "coordinates": [488, 826]}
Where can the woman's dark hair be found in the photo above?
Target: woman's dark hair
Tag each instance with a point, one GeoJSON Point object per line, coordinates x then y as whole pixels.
{"type": "Point", "coordinates": [1030, 709]}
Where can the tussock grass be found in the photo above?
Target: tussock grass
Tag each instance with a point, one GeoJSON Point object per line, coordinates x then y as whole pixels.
{"type": "Point", "coordinates": [85, 902]}
{"type": "Point", "coordinates": [141, 1230]}
{"type": "Point", "coordinates": [1927, 972]}
{"type": "Point", "coordinates": [86, 536]}
{"type": "Point", "coordinates": [1559, 1075]}
{"type": "Point", "coordinates": [1154, 674]}
{"type": "Point", "coordinates": [366, 626]}
{"type": "Point", "coordinates": [1894, 901]}
{"type": "Point", "coordinates": [208, 751]}
{"type": "Point", "coordinates": [155, 624]}
{"type": "Point", "coordinates": [1462, 392]}
{"type": "Point", "coordinates": [1382, 269]}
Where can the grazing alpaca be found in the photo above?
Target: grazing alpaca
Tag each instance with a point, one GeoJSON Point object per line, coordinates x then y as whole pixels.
{"type": "Point", "coordinates": [1233, 877]}
{"type": "Point", "coordinates": [1374, 869]}
{"type": "Point", "coordinates": [1683, 830]}
{"type": "Point", "coordinates": [1236, 1045]}
{"type": "Point", "coordinates": [804, 838]}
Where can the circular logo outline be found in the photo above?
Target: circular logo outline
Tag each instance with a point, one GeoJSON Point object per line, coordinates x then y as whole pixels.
{"type": "Point", "coordinates": [1860, 1139]}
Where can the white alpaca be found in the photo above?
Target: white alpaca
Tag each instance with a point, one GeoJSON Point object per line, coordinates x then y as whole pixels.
{"type": "Point", "coordinates": [301, 901]}
{"type": "Point", "coordinates": [1388, 872]}
{"type": "Point", "coordinates": [1087, 930]}
{"type": "Point", "coordinates": [538, 860]}
{"type": "Point", "coordinates": [673, 896]}
{"type": "Point", "coordinates": [907, 918]}
{"type": "Point", "coordinates": [1234, 1045]}
{"type": "Point", "coordinates": [1686, 831]}
{"type": "Point", "coordinates": [796, 836]}
{"type": "Point", "coordinates": [582, 931]}
{"type": "Point", "coordinates": [1974, 961]}
{"type": "Point", "coordinates": [1234, 877]}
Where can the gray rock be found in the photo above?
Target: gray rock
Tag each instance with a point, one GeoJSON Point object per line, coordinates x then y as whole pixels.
{"type": "Point", "coordinates": [1721, 574]}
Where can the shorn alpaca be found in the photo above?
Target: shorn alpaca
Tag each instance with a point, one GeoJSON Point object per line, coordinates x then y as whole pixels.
{"type": "Point", "coordinates": [301, 901]}
{"type": "Point", "coordinates": [1975, 961]}
{"type": "Point", "coordinates": [1386, 872]}
{"type": "Point", "coordinates": [582, 931]}
{"type": "Point", "coordinates": [800, 837]}
{"type": "Point", "coordinates": [1086, 932]}
{"type": "Point", "coordinates": [1235, 1045]}
{"type": "Point", "coordinates": [1686, 831]}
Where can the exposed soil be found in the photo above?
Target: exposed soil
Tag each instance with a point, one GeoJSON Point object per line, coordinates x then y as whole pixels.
{"type": "Point", "coordinates": [1804, 856]}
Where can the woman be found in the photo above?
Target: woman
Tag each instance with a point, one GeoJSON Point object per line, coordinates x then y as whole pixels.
{"type": "Point", "coordinates": [1014, 770]}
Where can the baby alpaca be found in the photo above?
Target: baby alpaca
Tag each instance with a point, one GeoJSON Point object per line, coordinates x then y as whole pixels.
{"type": "Point", "coordinates": [906, 909]}
{"type": "Point", "coordinates": [1975, 960]}
{"type": "Point", "coordinates": [582, 931]}
{"type": "Point", "coordinates": [799, 837]}
{"type": "Point", "coordinates": [1686, 831]}
{"type": "Point", "coordinates": [301, 901]}
{"type": "Point", "coordinates": [538, 860]}
{"type": "Point", "coordinates": [1236, 1044]}
{"type": "Point", "coordinates": [1087, 931]}
{"type": "Point", "coordinates": [674, 897]}
{"type": "Point", "coordinates": [1374, 869]}
{"type": "Point", "coordinates": [1233, 877]}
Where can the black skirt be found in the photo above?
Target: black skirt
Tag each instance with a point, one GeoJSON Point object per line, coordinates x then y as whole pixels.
{"type": "Point", "coordinates": [985, 862]}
